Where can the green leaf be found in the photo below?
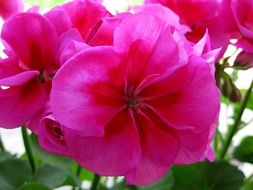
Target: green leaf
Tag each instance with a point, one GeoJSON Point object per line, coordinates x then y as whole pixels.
{"type": "Point", "coordinates": [54, 176]}
{"type": "Point", "coordinates": [118, 186]}
{"type": "Point", "coordinates": [225, 100]}
{"type": "Point", "coordinates": [207, 176]}
{"type": "Point", "coordinates": [33, 186]}
{"type": "Point", "coordinates": [165, 183]}
{"type": "Point", "coordinates": [5, 156]}
{"type": "Point", "coordinates": [13, 173]}
{"type": "Point", "coordinates": [83, 174]}
{"type": "Point", "coordinates": [50, 176]}
{"type": "Point", "coordinates": [48, 158]}
{"type": "Point", "coordinates": [244, 151]}
{"type": "Point", "coordinates": [72, 180]}
{"type": "Point", "coordinates": [86, 175]}
{"type": "Point", "coordinates": [101, 187]}
{"type": "Point", "coordinates": [248, 185]}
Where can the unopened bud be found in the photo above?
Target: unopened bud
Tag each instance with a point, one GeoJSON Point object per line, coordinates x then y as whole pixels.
{"type": "Point", "coordinates": [236, 95]}
{"type": "Point", "coordinates": [230, 91]}
{"type": "Point", "coordinates": [244, 60]}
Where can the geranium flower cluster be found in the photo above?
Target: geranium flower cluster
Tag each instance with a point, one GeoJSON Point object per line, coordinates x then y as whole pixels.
{"type": "Point", "coordinates": [129, 94]}
{"type": "Point", "coordinates": [224, 19]}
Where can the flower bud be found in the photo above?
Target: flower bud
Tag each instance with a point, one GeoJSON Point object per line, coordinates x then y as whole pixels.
{"type": "Point", "coordinates": [244, 60]}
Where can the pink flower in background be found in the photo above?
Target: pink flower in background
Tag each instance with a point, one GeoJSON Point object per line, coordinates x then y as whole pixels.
{"type": "Point", "coordinates": [10, 7]}
{"type": "Point", "coordinates": [191, 11]}
{"type": "Point", "coordinates": [244, 60]}
{"type": "Point", "coordinates": [138, 107]}
{"type": "Point", "coordinates": [51, 136]}
{"type": "Point", "coordinates": [82, 23]}
{"type": "Point", "coordinates": [214, 16]}
{"type": "Point", "coordinates": [36, 46]}
{"type": "Point", "coordinates": [85, 15]}
{"type": "Point", "coordinates": [28, 70]}
{"type": "Point", "coordinates": [243, 14]}
{"type": "Point", "coordinates": [167, 15]}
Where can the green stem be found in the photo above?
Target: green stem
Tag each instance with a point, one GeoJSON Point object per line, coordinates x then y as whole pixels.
{"type": "Point", "coordinates": [215, 142]}
{"type": "Point", "coordinates": [28, 148]}
{"type": "Point", "coordinates": [78, 173]}
{"type": "Point", "coordinates": [1, 144]}
{"type": "Point", "coordinates": [95, 182]}
{"type": "Point", "coordinates": [233, 129]}
{"type": "Point", "coordinates": [132, 187]}
{"type": "Point", "coordinates": [78, 170]}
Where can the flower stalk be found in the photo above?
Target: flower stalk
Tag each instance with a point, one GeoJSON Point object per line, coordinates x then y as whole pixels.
{"type": "Point", "coordinates": [1, 145]}
{"type": "Point", "coordinates": [95, 182]}
{"type": "Point", "coordinates": [78, 173]}
{"type": "Point", "coordinates": [28, 148]}
{"type": "Point", "coordinates": [232, 131]}
{"type": "Point", "coordinates": [78, 170]}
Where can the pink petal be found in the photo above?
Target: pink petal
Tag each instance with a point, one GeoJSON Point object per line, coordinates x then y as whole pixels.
{"type": "Point", "coordinates": [115, 153]}
{"type": "Point", "coordinates": [135, 28]}
{"type": "Point", "coordinates": [36, 46]}
{"type": "Point", "coordinates": [197, 104]}
{"type": "Point", "coordinates": [51, 136]}
{"type": "Point", "coordinates": [34, 9]}
{"type": "Point", "coordinates": [167, 55]}
{"type": "Point", "coordinates": [34, 123]}
{"type": "Point", "coordinates": [245, 44]}
{"type": "Point", "coordinates": [69, 36]}
{"type": "Point", "coordinates": [20, 104]}
{"type": "Point", "coordinates": [85, 15]}
{"type": "Point", "coordinates": [60, 19]}
{"type": "Point", "coordinates": [71, 49]}
{"type": "Point", "coordinates": [190, 149]}
{"type": "Point", "coordinates": [193, 146]}
{"type": "Point", "coordinates": [151, 49]}
{"type": "Point", "coordinates": [102, 33]}
{"type": "Point", "coordinates": [164, 13]}
{"type": "Point", "coordinates": [242, 12]}
{"type": "Point", "coordinates": [9, 67]}
{"type": "Point", "coordinates": [10, 7]}
{"type": "Point", "coordinates": [87, 93]}
{"type": "Point", "coordinates": [71, 44]}
{"type": "Point", "coordinates": [211, 57]}
{"type": "Point", "coordinates": [19, 79]}
{"type": "Point", "coordinates": [203, 45]}
{"type": "Point", "coordinates": [192, 11]}
{"type": "Point", "coordinates": [173, 83]}
{"type": "Point", "coordinates": [210, 155]}
{"type": "Point", "coordinates": [158, 152]}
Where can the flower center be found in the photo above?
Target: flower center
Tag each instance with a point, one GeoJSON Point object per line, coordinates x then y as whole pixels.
{"type": "Point", "coordinates": [133, 102]}
{"type": "Point", "coordinates": [44, 77]}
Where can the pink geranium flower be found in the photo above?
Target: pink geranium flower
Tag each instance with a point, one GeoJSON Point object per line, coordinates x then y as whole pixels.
{"type": "Point", "coordinates": [51, 136]}
{"type": "Point", "coordinates": [10, 7]}
{"type": "Point", "coordinates": [202, 15]}
{"type": "Point", "coordinates": [85, 15]}
{"type": "Point", "coordinates": [88, 24]}
{"type": "Point", "coordinates": [244, 60]}
{"type": "Point", "coordinates": [243, 14]}
{"type": "Point", "coordinates": [137, 108]}
{"type": "Point", "coordinates": [36, 46]}
{"type": "Point", "coordinates": [28, 70]}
